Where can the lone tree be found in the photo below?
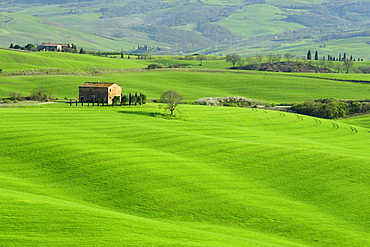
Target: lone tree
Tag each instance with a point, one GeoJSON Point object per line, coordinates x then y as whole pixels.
{"type": "Point", "coordinates": [171, 98]}
{"type": "Point", "coordinates": [348, 63]}
{"type": "Point", "coordinates": [233, 58]}
{"type": "Point", "coordinates": [201, 57]}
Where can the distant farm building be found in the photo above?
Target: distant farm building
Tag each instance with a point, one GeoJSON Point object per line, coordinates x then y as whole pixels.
{"type": "Point", "coordinates": [99, 92]}
{"type": "Point", "coordinates": [53, 47]}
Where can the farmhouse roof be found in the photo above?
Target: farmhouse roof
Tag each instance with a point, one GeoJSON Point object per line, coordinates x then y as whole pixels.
{"type": "Point", "coordinates": [46, 44]}
{"type": "Point", "coordinates": [97, 84]}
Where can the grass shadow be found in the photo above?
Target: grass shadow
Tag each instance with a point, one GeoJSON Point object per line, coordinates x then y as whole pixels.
{"type": "Point", "coordinates": [153, 114]}
{"type": "Point", "coordinates": [141, 113]}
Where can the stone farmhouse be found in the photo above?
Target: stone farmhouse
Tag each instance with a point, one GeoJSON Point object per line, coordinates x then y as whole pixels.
{"type": "Point", "coordinates": [53, 47]}
{"type": "Point", "coordinates": [99, 92]}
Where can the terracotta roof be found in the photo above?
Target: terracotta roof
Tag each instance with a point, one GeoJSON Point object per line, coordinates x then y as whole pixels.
{"type": "Point", "coordinates": [96, 84]}
{"type": "Point", "coordinates": [54, 44]}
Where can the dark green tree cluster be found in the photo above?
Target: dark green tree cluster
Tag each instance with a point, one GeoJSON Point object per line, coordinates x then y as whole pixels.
{"type": "Point", "coordinates": [331, 108]}
{"type": "Point", "coordinates": [28, 47]}
{"type": "Point", "coordinates": [133, 99]}
{"type": "Point", "coordinates": [72, 49]}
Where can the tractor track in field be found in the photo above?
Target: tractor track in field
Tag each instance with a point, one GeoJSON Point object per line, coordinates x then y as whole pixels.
{"type": "Point", "coordinates": [7, 22]}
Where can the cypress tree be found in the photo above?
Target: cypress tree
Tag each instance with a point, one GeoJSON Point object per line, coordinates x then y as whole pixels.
{"type": "Point", "coordinates": [309, 55]}
{"type": "Point", "coordinates": [124, 99]}
{"type": "Point", "coordinates": [140, 99]}
{"type": "Point", "coordinates": [316, 55]}
{"type": "Point", "coordinates": [135, 99]}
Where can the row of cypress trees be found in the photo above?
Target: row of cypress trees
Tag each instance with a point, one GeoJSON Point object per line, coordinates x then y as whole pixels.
{"type": "Point", "coordinates": [330, 57]}
{"type": "Point", "coordinates": [133, 99]}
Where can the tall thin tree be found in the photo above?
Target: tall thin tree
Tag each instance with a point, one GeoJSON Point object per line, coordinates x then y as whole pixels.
{"type": "Point", "coordinates": [309, 56]}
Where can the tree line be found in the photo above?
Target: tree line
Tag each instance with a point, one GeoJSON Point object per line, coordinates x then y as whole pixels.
{"type": "Point", "coordinates": [38, 94]}
{"type": "Point", "coordinates": [33, 47]}
{"type": "Point", "coordinates": [131, 99]}
{"type": "Point", "coordinates": [307, 63]}
{"type": "Point", "coordinates": [331, 57]}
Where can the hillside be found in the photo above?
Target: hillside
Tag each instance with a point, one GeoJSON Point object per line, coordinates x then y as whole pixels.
{"type": "Point", "coordinates": [62, 73]}
{"type": "Point", "coordinates": [190, 26]}
{"type": "Point", "coordinates": [214, 176]}
{"type": "Point", "coordinates": [222, 177]}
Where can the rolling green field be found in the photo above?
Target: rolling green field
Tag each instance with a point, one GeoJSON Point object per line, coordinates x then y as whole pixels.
{"type": "Point", "coordinates": [193, 85]}
{"type": "Point", "coordinates": [113, 176]}
{"type": "Point", "coordinates": [258, 19]}
{"type": "Point", "coordinates": [214, 176]}
{"type": "Point", "coordinates": [210, 80]}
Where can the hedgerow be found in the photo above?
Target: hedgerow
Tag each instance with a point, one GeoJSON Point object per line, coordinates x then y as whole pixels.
{"type": "Point", "coordinates": [331, 108]}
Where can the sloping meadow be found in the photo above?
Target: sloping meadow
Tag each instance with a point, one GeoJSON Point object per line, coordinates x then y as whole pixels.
{"type": "Point", "coordinates": [218, 176]}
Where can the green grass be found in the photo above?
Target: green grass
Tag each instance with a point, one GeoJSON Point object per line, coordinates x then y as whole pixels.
{"type": "Point", "coordinates": [209, 80]}
{"type": "Point", "coordinates": [363, 121]}
{"type": "Point", "coordinates": [13, 60]}
{"type": "Point", "coordinates": [272, 88]}
{"type": "Point", "coordinates": [85, 27]}
{"type": "Point", "coordinates": [258, 19]}
{"type": "Point", "coordinates": [17, 31]}
{"type": "Point", "coordinates": [221, 177]}
{"type": "Point", "coordinates": [295, 2]}
{"type": "Point", "coordinates": [352, 46]}
{"type": "Point", "coordinates": [214, 176]}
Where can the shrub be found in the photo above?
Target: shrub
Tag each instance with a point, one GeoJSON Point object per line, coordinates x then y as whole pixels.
{"type": "Point", "coordinates": [328, 108]}
{"type": "Point", "coordinates": [176, 65]}
{"type": "Point", "coordinates": [226, 101]}
{"type": "Point", "coordinates": [155, 66]}
{"type": "Point", "coordinates": [16, 96]}
{"type": "Point", "coordinates": [41, 94]}
{"type": "Point", "coordinates": [231, 104]}
{"type": "Point", "coordinates": [364, 69]}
